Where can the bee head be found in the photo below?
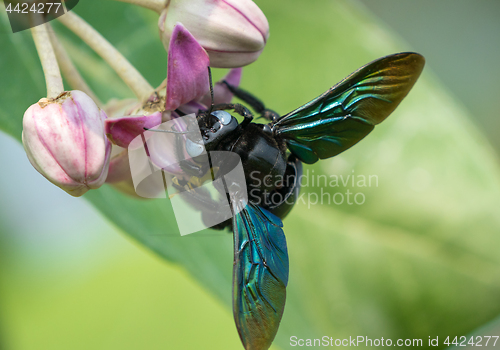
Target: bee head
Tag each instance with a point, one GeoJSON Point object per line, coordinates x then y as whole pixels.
{"type": "Point", "coordinates": [215, 127]}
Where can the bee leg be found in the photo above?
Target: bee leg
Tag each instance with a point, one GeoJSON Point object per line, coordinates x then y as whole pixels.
{"type": "Point", "coordinates": [192, 169]}
{"type": "Point", "coordinates": [212, 211]}
{"type": "Point", "coordinates": [253, 101]}
{"type": "Point", "coordinates": [198, 197]}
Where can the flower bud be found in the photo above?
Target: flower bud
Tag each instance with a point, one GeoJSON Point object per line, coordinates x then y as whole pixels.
{"type": "Point", "coordinates": [233, 32]}
{"type": "Point", "coordinates": [65, 141]}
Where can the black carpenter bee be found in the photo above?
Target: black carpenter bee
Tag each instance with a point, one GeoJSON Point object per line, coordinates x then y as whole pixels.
{"type": "Point", "coordinates": [272, 155]}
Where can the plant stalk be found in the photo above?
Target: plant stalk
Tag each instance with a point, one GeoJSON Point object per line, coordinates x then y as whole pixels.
{"type": "Point", "coordinates": [126, 71]}
{"type": "Point", "coordinates": [53, 79]}
{"type": "Point", "coordinates": [69, 70]}
{"type": "Point", "coordinates": [155, 5]}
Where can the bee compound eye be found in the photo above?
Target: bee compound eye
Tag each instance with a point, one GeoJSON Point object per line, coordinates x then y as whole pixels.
{"type": "Point", "coordinates": [194, 149]}
{"type": "Point", "coordinates": [223, 117]}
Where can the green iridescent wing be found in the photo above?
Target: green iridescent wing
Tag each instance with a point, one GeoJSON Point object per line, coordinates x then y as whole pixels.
{"type": "Point", "coordinates": [260, 275]}
{"type": "Point", "coordinates": [347, 112]}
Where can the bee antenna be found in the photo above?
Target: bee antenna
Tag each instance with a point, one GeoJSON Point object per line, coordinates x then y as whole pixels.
{"type": "Point", "coordinates": [167, 131]}
{"type": "Point", "coordinates": [211, 90]}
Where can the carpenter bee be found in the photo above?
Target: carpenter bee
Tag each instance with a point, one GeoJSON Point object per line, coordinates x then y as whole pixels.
{"type": "Point", "coordinates": [272, 155]}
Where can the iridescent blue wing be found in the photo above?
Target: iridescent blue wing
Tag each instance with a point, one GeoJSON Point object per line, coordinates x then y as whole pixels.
{"type": "Point", "coordinates": [260, 275]}
{"type": "Point", "coordinates": [347, 112]}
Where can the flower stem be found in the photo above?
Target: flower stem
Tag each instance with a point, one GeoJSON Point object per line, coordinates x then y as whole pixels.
{"type": "Point", "coordinates": [53, 78]}
{"type": "Point", "coordinates": [155, 5]}
{"type": "Point", "coordinates": [69, 70]}
{"type": "Point", "coordinates": [126, 71]}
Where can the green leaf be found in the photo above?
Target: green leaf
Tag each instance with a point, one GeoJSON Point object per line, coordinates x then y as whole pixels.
{"type": "Point", "coordinates": [418, 258]}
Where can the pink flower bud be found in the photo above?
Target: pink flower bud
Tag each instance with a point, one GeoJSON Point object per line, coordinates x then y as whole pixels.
{"type": "Point", "coordinates": [233, 32]}
{"type": "Point", "coordinates": [65, 141]}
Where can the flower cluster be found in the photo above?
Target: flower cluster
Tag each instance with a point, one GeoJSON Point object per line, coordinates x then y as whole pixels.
{"type": "Point", "coordinates": [78, 144]}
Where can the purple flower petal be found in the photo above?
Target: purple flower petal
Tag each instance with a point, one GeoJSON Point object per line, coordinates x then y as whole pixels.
{"type": "Point", "coordinates": [121, 131]}
{"type": "Point", "coordinates": [233, 77]}
{"type": "Point", "coordinates": [187, 73]}
{"type": "Point", "coordinates": [192, 107]}
{"type": "Point", "coordinates": [221, 92]}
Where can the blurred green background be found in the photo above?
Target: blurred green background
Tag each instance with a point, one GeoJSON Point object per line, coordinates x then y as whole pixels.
{"type": "Point", "coordinates": [419, 258]}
